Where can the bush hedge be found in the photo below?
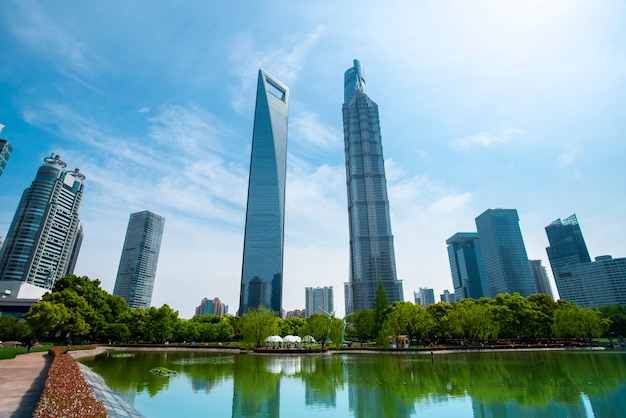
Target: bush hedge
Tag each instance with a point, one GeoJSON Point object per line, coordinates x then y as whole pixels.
{"type": "Point", "coordinates": [66, 393]}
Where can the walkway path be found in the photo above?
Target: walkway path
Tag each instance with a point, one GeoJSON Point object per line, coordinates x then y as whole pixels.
{"type": "Point", "coordinates": [21, 384]}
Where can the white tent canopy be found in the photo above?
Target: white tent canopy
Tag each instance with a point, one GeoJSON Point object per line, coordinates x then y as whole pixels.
{"type": "Point", "coordinates": [274, 341]}
{"type": "Point", "coordinates": [291, 339]}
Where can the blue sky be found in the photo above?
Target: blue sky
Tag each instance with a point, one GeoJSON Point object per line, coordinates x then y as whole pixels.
{"type": "Point", "coordinates": [516, 104]}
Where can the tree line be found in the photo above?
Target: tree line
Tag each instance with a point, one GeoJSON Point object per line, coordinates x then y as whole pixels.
{"type": "Point", "coordinates": [78, 310]}
{"type": "Point", "coordinates": [506, 316]}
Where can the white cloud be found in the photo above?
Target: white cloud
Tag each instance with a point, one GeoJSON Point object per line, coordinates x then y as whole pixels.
{"type": "Point", "coordinates": [283, 61]}
{"type": "Point", "coordinates": [569, 157]}
{"type": "Point", "coordinates": [306, 127]}
{"type": "Point", "coordinates": [485, 139]}
{"type": "Point", "coordinates": [35, 28]}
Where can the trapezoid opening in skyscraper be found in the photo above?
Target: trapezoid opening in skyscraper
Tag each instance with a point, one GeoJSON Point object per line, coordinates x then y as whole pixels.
{"type": "Point", "coordinates": [262, 266]}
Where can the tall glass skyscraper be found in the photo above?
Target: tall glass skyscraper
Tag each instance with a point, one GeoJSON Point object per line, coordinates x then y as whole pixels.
{"type": "Point", "coordinates": [542, 283]}
{"type": "Point", "coordinates": [372, 257]}
{"type": "Point", "coordinates": [140, 256]}
{"type": "Point", "coordinates": [466, 266]}
{"type": "Point", "coordinates": [41, 241]}
{"type": "Point", "coordinates": [5, 152]}
{"type": "Point", "coordinates": [504, 253]}
{"type": "Point", "coordinates": [262, 267]}
{"type": "Point", "coordinates": [567, 245]}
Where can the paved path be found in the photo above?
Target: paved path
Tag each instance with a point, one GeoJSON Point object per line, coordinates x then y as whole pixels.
{"type": "Point", "coordinates": [21, 384]}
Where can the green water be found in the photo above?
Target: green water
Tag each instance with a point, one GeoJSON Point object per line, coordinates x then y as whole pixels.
{"type": "Point", "coordinates": [489, 384]}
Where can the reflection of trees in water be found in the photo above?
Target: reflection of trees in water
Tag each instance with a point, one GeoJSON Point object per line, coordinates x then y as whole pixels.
{"type": "Point", "coordinates": [256, 387]}
{"type": "Point", "coordinates": [524, 378]}
{"type": "Point", "coordinates": [390, 384]}
{"type": "Point", "coordinates": [205, 370]}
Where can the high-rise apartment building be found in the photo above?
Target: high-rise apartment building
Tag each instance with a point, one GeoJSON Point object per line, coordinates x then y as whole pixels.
{"type": "Point", "coordinates": [466, 265]}
{"type": "Point", "coordinates": [424, 296]}
{"type": "Point", "coordinates": [78, 242]}
{"type": "Point", "coordinates": [262, 269]}
{"type": "Point", "coordinates": [593, 284]}
{"type": "Point", "coordinates": [503, 252]}
{"type": "Point", "coordinates": [140, 256]}
{"type": "Point", "coordinates": [211, 307]}
{"type": "Point", "coordinates": [42, 237]}
{"type": "Point", "coordinates": [578, 279]}
{"type": "Point", "coordinates": [319, 300]}
{"type": "Point", "coordinates": [540, 276]}
{"type": "Point", "coordinates": [448, 297]}
{"type": "Point", "coordinates": [567, 245]}
{"type": "Point", "coordinates": [372, 257]}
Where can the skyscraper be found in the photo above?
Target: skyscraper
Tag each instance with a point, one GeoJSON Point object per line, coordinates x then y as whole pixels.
{"type": "Point", "coordinates": [597, 283]}
{"type": "Point", "coordinates": [542, 283]}
{"type": "Point", "coordinates": [319, 300]}
{"type": "Point", "coordinates": [448, 297]}
{"type": "Point", "coordinates": [42, 237]}
{"type": "Point", "coordinates": [466, 266]}
{"type": "Point", "coordinates": [211, 307]}
{"type": "Point", "coordinates": [372, 257]}
{"type": "Point", "coordinates": [424, 296]}
{"type": "Point", "coordinates": [140, 255]}
{"type": "Point", "coordinates": [578, 279]}
{"type": "Point", "coordinates": [567, 245]}
{"type": "Point", "coordinates": [503, 253]}
{"type": "Point", "coordinates": [262, 267]}
{"type": "Point", "coordinates": [5, 152]}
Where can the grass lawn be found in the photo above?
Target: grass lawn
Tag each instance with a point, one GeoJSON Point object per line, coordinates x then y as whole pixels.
{"type": "Point", "coordinates": [10, 352]}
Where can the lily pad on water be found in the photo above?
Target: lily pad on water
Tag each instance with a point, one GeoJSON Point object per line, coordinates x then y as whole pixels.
{"type": "Point", "coordinates": [163, 371]}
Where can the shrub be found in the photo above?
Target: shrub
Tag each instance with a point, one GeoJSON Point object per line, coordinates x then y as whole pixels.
{"type": "Point", "coordinates": [66, 393]}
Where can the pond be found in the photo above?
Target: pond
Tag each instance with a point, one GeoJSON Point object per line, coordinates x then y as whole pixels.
{"type": "Point", "coordinates": [572, 383]}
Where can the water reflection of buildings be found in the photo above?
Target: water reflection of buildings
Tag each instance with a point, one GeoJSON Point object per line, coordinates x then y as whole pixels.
{"type": "Point", "coordinates": [367, 400]}
{"type": "Point", "coordinates": [609, 405]}
{"type": "Point", "coordinates": [246, 407]}
{"type": "Point", "coordinates": [515, 410]}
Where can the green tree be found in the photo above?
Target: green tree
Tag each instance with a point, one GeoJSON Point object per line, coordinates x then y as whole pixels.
{"type": "Point", "coordinates": [12, 328]}
{"type": "Point", "coordinates": [236, 323]}
{"type": "Point", "coordinates": [90, 309]}
{"type": "Point", "coordinates": [419, 321]}
{"type": "Point", "coordinates": [161, 323]}
{"type": "Point", "coordinates": [405, 318]}
{"type": "Point", "coordinates": [137, 320]}
{"type": "Point", "coordinates": [292, 326]}
{"type": "Point", "coordinates": [572, 321]}
{"type": "Point", "coordinates": [257, 325]}
{"type": "Point", "coordinates": [381, 302]}
{"type": "Point", "coordinates": [336, 330]}
{"type": "Point", "coordinates": [617, 315]}
{"type": "Point", "coordinates": [46, 317]}
{"type": "Point", "coordinates": [395, 323]}
{"type": "Point", "coordinates": [518, 317]}
{"type": "Point", "coordinates": [224, 331]}
{"type": "Point", "coordinates": [474, 319]}
{"type": "Point", "coordinates": [544, 308]}
{"type": "Point", "coordinates": [318, 326]}
{"type": "Point", "coordinates": [116, 332]}
{"type": "Point", "coordinates": [361, 326]}
{"type": "Point", "coordinates": [441, 322]}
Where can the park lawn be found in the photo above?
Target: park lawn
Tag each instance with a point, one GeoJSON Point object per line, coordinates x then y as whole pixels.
{"type": "Point", "coordinates": [7, 353]}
